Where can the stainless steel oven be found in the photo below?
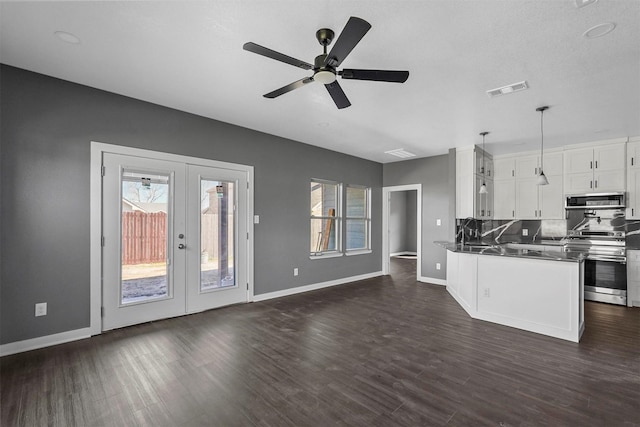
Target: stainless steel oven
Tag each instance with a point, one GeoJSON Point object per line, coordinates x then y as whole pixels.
{"type": "Point", "coordinates": [599, 233]}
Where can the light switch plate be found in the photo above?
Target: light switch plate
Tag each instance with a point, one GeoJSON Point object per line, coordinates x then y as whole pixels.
{"type": "Point", "coordinates": [525, 231]}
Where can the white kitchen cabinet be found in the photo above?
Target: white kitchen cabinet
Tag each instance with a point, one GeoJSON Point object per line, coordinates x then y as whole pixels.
{"type": "Point", "coordinates": [469, 203]}
{"type": "Point", "coordinates": [595, 169]}
{"type": "Point", "coordinates": [551, 199]}
{"type": "Point", "coordinates": [535, 201]}
{"type": "Point", "coordinates": [504, 168]}
{"type": "Point", "coordinates": [633, 179]}
{"type": "Point", "coordinates": [529, 166]}
{"type": "Point", "coordinates": [504, 200]}
{"type": "Point", "coordinates": [484, 202]}
{"type": "Point", "coordinates": [486, 166]}
{"type": "Point", "coordinates": [633, 278]}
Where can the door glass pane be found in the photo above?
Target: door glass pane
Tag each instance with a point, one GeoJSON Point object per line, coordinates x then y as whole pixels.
{"type": "Point", "coordinates": [217, 234]}
{"type": "Point", "coordinates": [145, 207]}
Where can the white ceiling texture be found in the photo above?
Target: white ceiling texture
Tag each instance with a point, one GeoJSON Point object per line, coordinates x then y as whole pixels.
{"type": "Point", "coordinates": [188, 56]}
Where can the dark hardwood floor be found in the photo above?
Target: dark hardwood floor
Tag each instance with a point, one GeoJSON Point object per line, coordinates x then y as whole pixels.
{"type": "Point", "coordinates": [381, 352]}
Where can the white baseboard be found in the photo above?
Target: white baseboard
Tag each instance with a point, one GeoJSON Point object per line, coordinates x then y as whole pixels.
{"type": "Point", "coordinates": [313, 287]}
{"type": "Point", "coordinates": [46, 341]}
{"type": "Point", "coordinates": [433, 280]}
{"type": "Point", "coordinates": [403, 253]}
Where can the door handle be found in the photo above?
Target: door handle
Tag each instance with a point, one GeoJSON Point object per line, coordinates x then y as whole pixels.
{"type": "Point", "coordinates": [181, 246]}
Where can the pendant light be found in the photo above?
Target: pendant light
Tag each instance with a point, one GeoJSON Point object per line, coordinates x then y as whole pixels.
{"type": "Point", "coordinates": [483, 187]}
{"type": "Point", "coordinates": [542, 179]}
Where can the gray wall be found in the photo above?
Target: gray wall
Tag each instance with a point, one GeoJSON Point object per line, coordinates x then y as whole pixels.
{"type": "Point", "coordinates": [434, 175]}
{"type": "Point", "coordinates": [47, 126]}
{"type": "Point", "coordinates": [411, 233]}
{"type": "Point", "coordinates": [402, 222]}
{"type": "Point", "coordinates": [398, 222]}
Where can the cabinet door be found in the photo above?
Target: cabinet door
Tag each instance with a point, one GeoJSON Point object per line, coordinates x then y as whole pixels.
{"type": "Point", "coordinates": [612, 180]}
{"type": "Point", "coordinates": [551, 204]}
{"type": "Point", "coordinates": [579, 160]}
{"type": "Point", "coordinates": [489, 168]}
{"type": "Point", "coordinates": [633, 154]}
{"type": "Point", "coordinates": [526, 166]}
{"type": "Point", "coordinates": [504, 199]}
{"type": "Point", "coordinates": [577, 183]}
{"type": "Point", "coordinates": [609, 157]}
{"type": "Point", "coordinates": [633, 194]}
{"type": "Point", "coordinates": [526, 198]}
{"type": "Point", "coordinates": [553, 164]}
{"type": "Point", "coordinates": [489, 207]}
{"type": "Point", "coordinates": [481, 199]}
{"type": "Point", "coordinates": [504, 168]}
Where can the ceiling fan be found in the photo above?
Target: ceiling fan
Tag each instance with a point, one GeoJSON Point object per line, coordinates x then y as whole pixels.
{"type": "Point", "coordinates": [325, 65]}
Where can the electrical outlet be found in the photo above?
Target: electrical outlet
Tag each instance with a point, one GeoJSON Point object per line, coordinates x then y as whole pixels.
{"type": "Point", "coordinates": [487, 293]}
{"type": "Point", "coordinates": [295, 271]}
{"type": "Point", "coordinates": [437, 266]}
{"type": "Point", "coordinates": [525, 231]}
{"type": "Point", "coordinates": [41, 309]}
{"type": "Point", "coordinates": [438, 222]}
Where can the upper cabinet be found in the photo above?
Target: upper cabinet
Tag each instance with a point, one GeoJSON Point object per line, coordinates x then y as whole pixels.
{"type": "Point", "coordinates": [633, 179]}
{"type": "Point", "coordinates": [595, 169]}
{"type": "Point", "coordinates": [469, 178]}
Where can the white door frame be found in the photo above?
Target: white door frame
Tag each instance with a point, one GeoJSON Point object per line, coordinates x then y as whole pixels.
{"type": "Point", "coordinates": [95, 244]}
{"type": "Point", "coordinates": [386, 205]}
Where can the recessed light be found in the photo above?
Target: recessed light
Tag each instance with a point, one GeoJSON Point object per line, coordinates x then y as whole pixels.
{"type": "Point", "coordinates": [583, 3]}
{"type": "Point", "coordinates": [400, 153]}
{"type": "Point", "coordinates": [599, 30]}
{"type": "Point", "coordinates": [67, 37]}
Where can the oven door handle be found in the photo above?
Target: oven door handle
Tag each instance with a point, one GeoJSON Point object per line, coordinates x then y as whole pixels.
{"type": "Point", "coordinates": [607, 258]}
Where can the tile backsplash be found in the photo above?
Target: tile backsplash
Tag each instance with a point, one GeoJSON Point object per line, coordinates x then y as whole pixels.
{"type": "Point", "coordinates": [506, 231]}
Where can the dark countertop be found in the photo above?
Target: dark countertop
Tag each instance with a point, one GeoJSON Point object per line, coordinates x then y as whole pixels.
{"type": "Point", "coordinates": [504, 250]}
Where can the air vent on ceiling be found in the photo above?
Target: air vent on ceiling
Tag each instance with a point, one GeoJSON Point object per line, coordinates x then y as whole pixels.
{"type": "Point", "coordinates": [400, 153]}
{"type": "Point", "coordinates": [583, 3]}
{"type": "Point", "coordinates": [508, 89]}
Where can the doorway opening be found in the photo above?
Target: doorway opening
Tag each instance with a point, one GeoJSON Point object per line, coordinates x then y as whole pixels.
{"type": "Point", "coordinates": [402, 242]}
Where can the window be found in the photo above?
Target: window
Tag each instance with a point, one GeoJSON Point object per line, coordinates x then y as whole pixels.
{"type": "Point", "coordinates": [325, 217]}
{"type": "Point", "coordinates": [358, 219]}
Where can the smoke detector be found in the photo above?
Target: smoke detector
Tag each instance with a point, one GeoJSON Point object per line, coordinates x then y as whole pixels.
{"type": "Point", "coordinates": [515, 87]}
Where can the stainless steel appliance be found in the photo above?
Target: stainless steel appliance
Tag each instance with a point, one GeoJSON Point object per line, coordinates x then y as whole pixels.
{"type": "Point", "coordinates": [595, 201]}
{"type": "Point", "coordinates": [600, 235]}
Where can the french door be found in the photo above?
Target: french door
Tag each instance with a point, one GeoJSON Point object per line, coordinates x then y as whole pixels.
{"type": "Point", "coordinates": [174, 239]}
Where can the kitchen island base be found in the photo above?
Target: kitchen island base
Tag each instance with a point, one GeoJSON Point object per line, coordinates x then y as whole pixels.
{"type": "Point", "coordinates": [536, 295]}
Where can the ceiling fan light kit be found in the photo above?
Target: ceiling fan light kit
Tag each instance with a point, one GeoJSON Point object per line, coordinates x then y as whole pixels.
{"type": "Point", "coordinates": [325, 65]}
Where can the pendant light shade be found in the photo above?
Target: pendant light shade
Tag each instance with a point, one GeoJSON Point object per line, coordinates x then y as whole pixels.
{"type": "Point", "coordinates": [542, 179]}
{"type": "Point", "coordinates": [483, 187]}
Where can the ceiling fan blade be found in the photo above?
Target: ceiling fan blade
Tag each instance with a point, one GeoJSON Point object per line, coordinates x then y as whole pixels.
{"type": "Point", "coordinates": [351, 35]}
{"type": "Point", "coordinates": [261, 50]}
{"type": "Point", "coordinates": [375, 75]}
{"type": "Point", "coordinates": [338, 95]}
{"type": "Point", "coordinates": [289, 87]}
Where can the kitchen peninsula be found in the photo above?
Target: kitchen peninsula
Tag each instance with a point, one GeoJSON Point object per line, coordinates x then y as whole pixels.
{"type": "Point", "coordinates": [535, 290]}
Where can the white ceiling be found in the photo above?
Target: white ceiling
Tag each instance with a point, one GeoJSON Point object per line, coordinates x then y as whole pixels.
{"type": "Point", "coordinates": [189, 56]}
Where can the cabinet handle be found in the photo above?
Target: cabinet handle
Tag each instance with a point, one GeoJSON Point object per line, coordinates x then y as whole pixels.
{"type": "Point", "coordinates": [488, 213]}
{"type": "Point", "coordinates": [590, 165]}
{"type": "Point", "coordinates": [513, 173]}
{"type": "Point", "coordinates": [513, 214]}
{"type": "Point", "coordinates": [632, 161]}
{"type": "Point", "coordinates": [596, 183]}
{"type": "Point", "coordinates": [631, 211]}
{"type": "Point", "coordinates": [590, 184]}
{"type": "Point", "coordinates": [596, 164]}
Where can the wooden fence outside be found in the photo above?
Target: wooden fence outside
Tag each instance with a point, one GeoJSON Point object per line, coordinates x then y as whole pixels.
{"type": "Point", "coordinates": [144, 237]}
